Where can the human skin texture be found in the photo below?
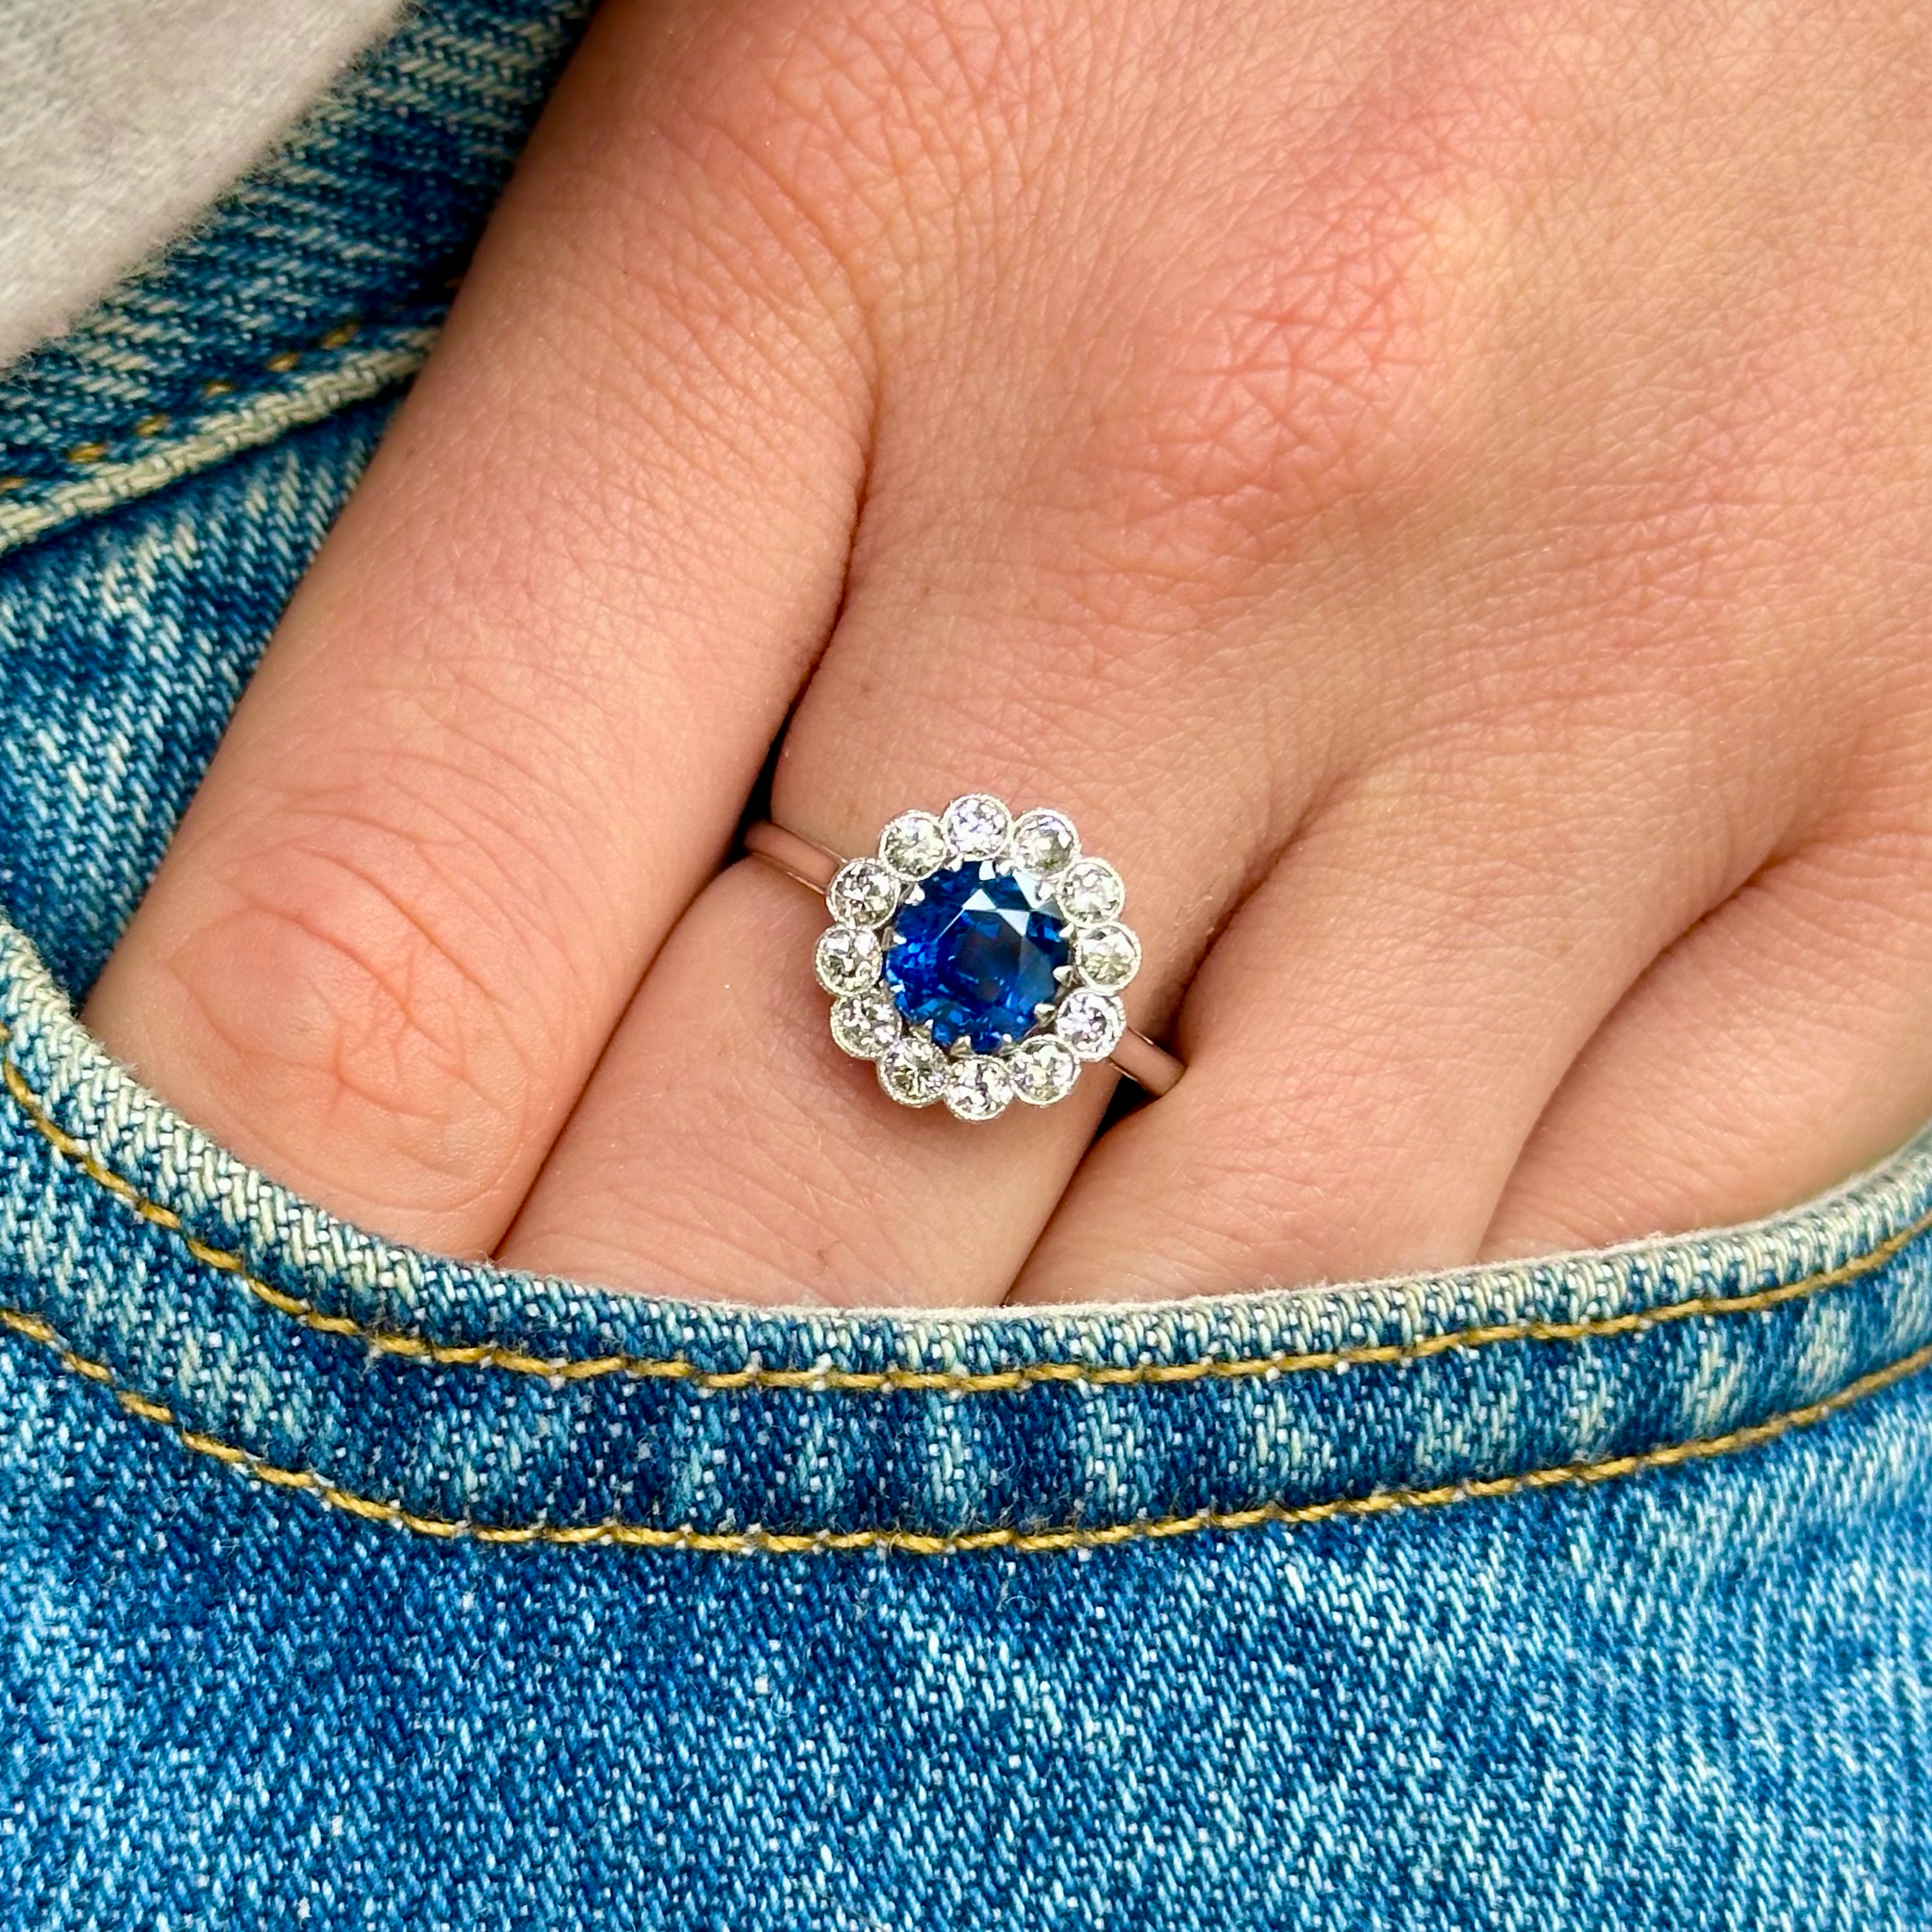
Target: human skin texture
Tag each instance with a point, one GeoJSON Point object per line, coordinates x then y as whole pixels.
{"type": "Point", "coordinates": [1440, 491]}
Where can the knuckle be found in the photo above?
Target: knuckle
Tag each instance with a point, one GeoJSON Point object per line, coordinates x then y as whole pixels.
{"type": "Point", "coordinates": [1303, 365]}
{"type": "Point", "coordinates": [338, 995]}
{"type": "Point", "coordinates": [1268, 343]}
{"type": "Point", "coordinates": [1290, 324]}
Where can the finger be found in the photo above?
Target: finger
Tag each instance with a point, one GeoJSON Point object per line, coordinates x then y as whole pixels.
{"type": "Point", "coordinates": [1778, 1048]}
{"type": "Point", "coordinates": [1374, 1037]}
{"type": "Point", "coordinates": [1086, 578]}
{"type": "Point", "coordinates": [506, 728]}
{"type": "Point", "coordinates": [725, 1066]}
{"type": "Point", "coordinates": [726, 1147]}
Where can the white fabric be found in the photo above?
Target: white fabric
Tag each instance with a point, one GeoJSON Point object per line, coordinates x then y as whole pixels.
{"type": "Point", "coordinates": [121, 120]}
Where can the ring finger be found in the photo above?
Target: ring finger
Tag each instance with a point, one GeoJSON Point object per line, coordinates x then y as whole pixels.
{"type": "Point", "coordinates": [726, 1143]}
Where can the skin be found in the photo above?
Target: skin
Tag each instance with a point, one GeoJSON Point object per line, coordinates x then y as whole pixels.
{"type": "Point", "coordinates": [1441, 493]}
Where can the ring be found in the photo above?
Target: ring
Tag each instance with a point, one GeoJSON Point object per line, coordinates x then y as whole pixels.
{"type": "Point", "coordinates": [978, 960]}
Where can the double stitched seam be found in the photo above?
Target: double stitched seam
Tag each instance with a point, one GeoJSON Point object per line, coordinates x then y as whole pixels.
{"type": "Point", "coordinates": [823, 1378]}
{"type": "Point", "coordinates": [93, 449]}
{"type": "Point", "coordinates": [760, 1542]}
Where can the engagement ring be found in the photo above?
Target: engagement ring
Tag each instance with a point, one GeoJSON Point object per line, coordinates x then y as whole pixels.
{"type": "Point", "coordinates": [978, 960]}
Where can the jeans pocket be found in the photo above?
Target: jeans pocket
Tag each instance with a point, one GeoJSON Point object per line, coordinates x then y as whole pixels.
{"type": "Point", "coordinates": [1587, 1593]}
{"type": "Point", "coordinates": [454, 1399]}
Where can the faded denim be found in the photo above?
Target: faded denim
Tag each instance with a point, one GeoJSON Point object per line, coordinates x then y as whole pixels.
{"type": "Point", "coordinates": [345, 1586]}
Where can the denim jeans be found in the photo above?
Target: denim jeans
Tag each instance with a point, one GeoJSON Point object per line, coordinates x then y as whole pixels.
{"type": "Point", "coordinates": [344, 1585]}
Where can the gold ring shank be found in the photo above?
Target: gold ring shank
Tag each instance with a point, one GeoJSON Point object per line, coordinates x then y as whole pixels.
{"type": "Point", "coordinates": [1136, 1057]}
{"type": "Point", "coordinates": [799, 858]}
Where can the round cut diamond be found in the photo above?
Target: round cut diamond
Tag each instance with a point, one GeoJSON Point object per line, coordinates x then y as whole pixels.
{"type": "Point", "coordinates": [848, 959]}
{"type": "Point", "coordinates": [914, 844]}
{"type": "Point", "coordinates": [977, 1087]}
{"type": "Point", "coordinates": [864, 891]}
{"type": "Point", "coordinates": [1043, 1070]}
{"type": "Point", "coordinates": [1090, 892]}
{"type": "Point", "coordinates": [1107, 956]}
{"type": "Point", "coordinates": [1044, 842]}
{"type": "Point", "coordinates": [1090, 1023]}
{"type": "Point", "coordinates": [978, 824]}
{"type": "Point", "coordinates": [977, 956]}
{"type": "Point", "coordinates": [914, 1071]}
{"type": "Point", "coordinates": [865, 1023]}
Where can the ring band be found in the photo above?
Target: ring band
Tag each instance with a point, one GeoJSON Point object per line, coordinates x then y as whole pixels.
{"type": "Point", "coordinates": [979, 958]}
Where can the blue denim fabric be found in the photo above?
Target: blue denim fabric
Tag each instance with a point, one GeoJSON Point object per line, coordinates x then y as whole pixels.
{"type": "Point", "coordinates": [316, 284]}
{"type": "Point", "coordinates": [345, 1586]}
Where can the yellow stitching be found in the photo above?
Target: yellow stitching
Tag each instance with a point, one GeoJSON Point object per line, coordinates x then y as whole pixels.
{"type": "Point", "coordinates": [156, 424]}
{"type": "Point", "coordinates": [488, 1355]}
{"type": "Point", "coordinates": [760, 1541]}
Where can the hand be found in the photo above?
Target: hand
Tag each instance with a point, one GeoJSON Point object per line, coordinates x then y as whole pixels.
{"type": "Point", "coordinates": [1438, 491]}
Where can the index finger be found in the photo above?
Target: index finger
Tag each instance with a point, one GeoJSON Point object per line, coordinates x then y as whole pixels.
{"type": "Point", "coordinates": [508, 726]}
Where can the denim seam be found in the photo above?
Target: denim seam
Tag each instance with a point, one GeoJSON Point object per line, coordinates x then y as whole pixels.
{"type": "Point", "coordinates": [824, 1378]}
{"type": "Point", "coordinates": [30, 508]}
{"type": "Point", "coordinates": [90, 449]}
{"type": "Point", "coordinates": [756, 1541]}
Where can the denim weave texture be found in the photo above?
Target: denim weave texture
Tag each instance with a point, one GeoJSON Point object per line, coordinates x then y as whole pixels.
{"type": "Point", "coordinates": [347, 1585]}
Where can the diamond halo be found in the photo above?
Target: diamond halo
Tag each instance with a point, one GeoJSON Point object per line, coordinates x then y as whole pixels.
{"type": "Point", "coordinates": [980, 959]}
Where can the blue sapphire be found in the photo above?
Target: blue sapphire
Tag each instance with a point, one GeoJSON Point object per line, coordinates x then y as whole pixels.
{"type": "Point", "coordinates": [975, 955]}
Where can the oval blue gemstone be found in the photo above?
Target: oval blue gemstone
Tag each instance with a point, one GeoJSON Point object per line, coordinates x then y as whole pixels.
{"type": "Point", "coordinates": [975, 955]}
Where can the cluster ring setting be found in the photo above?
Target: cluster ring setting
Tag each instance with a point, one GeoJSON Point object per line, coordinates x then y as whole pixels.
{"type": "Point", "coordinates": [977, 959]}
